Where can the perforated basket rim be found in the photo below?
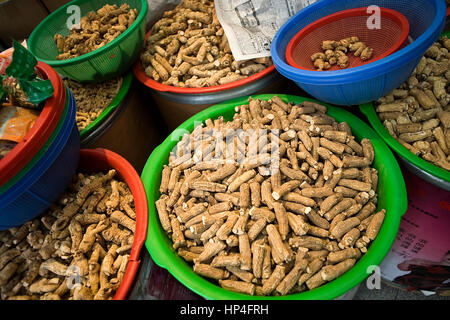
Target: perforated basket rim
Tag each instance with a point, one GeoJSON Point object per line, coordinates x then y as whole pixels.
{"type": "Point", "coordinates": [90, 55]}
{"type": "Point", "coordinates": [386, 12]}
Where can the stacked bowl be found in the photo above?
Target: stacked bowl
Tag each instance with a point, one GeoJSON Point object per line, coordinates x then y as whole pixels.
{"type": "Point", "coordinates": [371, 81]}
{"type": "Point", "coordinates": [40, 167]}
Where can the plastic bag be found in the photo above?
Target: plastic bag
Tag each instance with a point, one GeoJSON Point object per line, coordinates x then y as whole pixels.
{"type": "Point", "coordinates": [15, 122]}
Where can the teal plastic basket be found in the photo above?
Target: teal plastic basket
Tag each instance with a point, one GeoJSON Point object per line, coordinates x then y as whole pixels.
{"type": "Point", "coordinates": [105, 63]}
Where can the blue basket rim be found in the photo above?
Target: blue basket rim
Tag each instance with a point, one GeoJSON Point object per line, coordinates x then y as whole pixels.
{"type": "Point", "coordinates": [373, 69]}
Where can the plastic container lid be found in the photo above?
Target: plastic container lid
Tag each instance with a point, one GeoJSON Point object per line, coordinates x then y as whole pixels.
{"type": "Point", "coordinates": [392, 197]}
{"type": "Point", "coordinates": [390, 37]}
{"type": "Point", "coordinates": [96, 160]}
{"type": "Point", "coordinates": [138, 71]}
{"type": "Point", "coordinates": [44, 126]}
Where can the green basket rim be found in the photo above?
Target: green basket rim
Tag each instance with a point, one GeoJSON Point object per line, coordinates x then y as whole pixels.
{"type": "Point", "coordinates": [68, 62]}
{"type": "Point", "coordinates": [123, 91]}
{"type": "Point", "coordinates": [160, 247]}
{"type": "Point", "coordinates": [369, 111]}
{"type": "Point", "coordinates": [42, 151]}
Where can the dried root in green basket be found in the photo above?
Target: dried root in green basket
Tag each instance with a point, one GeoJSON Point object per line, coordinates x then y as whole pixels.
{"type": "Point", "coordinates": [21, 84]}
{"type": "Point", "coordinates": [95, 30]}
{"type": "Point", "coordinates": [188, 48]}
{"type": "Point", "coordinates": [280, 200]}
{"type": "Point", "coordinates": [77, 250]}
{"type": "Point", "coordinates": [418, 113]}
{"type": "Point", "coordinates": [92, 99]}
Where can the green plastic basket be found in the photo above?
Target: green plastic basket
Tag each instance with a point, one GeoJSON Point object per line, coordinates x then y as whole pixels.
{"type": "Point", "coordinates": [391, 191]}
{"type": "Point", "coordinates": [42, 151]}
{"type": "Point", "coordinates": [105, 63]}
{"type": "Point", "coordinates": [123, 91]}
{"type": "Point", "coordinates": [369, 111]}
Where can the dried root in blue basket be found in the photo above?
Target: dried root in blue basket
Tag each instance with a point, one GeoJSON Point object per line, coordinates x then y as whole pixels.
{"type": "Point", "coordinates": [95, 30]}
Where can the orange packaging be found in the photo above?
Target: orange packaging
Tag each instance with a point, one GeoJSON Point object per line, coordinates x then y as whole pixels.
{"type": "Point", "coordinates": [15, 122]}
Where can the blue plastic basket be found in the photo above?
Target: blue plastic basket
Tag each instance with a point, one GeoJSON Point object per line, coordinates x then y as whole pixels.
{"type": "Point", "coordinates": [373, 80]}
{"type": "Point", "coordinates": [47, 180]}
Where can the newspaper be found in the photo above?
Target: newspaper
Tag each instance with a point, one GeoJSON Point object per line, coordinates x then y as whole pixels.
{"type": "Point", "coordinates": [250, 25]}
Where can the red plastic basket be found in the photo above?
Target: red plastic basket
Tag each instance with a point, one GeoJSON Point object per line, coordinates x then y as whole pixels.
{"type": "Point", "coordinates": [388, 39]}
{"type": "Point", "coordinates": [97, 160]}
{"type": "Point", "coordinates": [43, 128]}
{"type": "Point", "coordinates": [138, 71]}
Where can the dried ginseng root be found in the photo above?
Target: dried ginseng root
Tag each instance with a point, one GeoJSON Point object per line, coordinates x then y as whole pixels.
{"type": "Point", "coordinates": [417, 114]}
{"type": "Point", "coordinates": [78, 250]}
{"type": "Point", "coordinates": [95, 30]}
{"type": "Point", "coordinates": [92, 99]}
{"type": "Point", "coordinates": [336, 53]}
{"type": "Point", "coordinates": [188, 48]}
{"type": "Point", "coordinates": [279, 200]}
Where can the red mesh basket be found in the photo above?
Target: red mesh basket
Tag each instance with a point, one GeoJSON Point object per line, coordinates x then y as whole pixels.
{"type": "Point", "coordinates": [389, 38]}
